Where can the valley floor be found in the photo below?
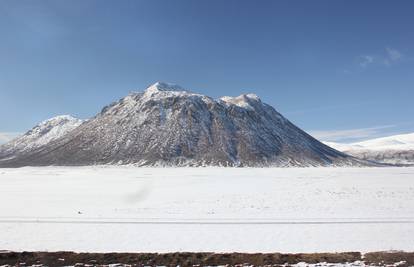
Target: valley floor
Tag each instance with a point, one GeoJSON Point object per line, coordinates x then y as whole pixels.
{"type": "Point", "coordinates": [127, 209]}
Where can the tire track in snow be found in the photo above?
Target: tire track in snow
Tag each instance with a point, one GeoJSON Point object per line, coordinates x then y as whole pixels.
{"type": "Point", "coordinates": [212, 222]}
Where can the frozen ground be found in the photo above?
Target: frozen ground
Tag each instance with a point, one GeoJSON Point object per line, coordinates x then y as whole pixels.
{"type": "Point", "coordinates": [207, 209]}
{"type": "Point", "coordinates": [300, 264]}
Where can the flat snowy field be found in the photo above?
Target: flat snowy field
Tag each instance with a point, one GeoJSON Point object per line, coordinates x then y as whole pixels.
{"type": "Point", "coordinates": [129, 209]}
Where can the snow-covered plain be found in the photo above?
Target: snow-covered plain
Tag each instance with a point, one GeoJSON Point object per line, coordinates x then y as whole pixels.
{"type": "Point", "coordinates": [129, 209]}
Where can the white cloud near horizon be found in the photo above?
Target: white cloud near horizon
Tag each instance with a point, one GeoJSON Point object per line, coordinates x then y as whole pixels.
{"type": "Point", "coordinates": [348, 134]}
{"type": "Point", "coordinates": [7, 136]}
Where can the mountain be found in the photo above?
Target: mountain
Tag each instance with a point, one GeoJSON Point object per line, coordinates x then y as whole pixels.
{"type": "Point", "coordinates": [40, 135]}
{"type": "Point", "coordinates": [396, 149]}
{"type": "Point", "coordinates": [166, 125]}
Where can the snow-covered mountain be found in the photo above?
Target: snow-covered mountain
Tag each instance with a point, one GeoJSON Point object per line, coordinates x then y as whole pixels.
{"type": "Point", "coordinates": [166, 125]}
{"type": "Point", "coordinates": [396, 149]}
{"type": "Point", "coordinates": [40, 135]}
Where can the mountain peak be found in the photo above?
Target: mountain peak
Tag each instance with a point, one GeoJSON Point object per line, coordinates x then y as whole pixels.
{"type": "Point", "coordinates": [164, 87]}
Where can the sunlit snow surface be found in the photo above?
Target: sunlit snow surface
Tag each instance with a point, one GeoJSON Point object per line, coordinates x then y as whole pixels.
{"type": "Point", "coordinates": [131, 209]}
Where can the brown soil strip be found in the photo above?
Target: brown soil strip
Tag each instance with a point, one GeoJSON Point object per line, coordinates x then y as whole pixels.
{"type": "Point", "coordinates": [185, 259]}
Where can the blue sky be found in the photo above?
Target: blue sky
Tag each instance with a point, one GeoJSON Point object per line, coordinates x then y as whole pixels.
{"type": "Point", "coordinates": [342, 70]}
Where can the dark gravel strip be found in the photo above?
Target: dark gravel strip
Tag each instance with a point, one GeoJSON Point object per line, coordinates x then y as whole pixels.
{"type": "Point", "coordinates": [185, 259]}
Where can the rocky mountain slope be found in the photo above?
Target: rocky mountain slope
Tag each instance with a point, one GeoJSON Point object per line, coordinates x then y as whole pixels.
{"type": "Point", "coordinates": [396, 149]}
{"type": "Point", "coordinates": [167, 125]}
{"type": "Point", "coordinates": [40, 135]}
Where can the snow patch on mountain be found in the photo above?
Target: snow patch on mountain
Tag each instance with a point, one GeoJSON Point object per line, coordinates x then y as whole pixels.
{"type": "Point", "coordinates": [242, 101]}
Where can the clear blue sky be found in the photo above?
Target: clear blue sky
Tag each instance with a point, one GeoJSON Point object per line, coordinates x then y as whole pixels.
{"type": "Point", "coordinates": [343, 70]}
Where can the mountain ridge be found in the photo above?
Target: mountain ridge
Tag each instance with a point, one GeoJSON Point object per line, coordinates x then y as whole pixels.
{"type": "Point", "coordinates": [41, 134]}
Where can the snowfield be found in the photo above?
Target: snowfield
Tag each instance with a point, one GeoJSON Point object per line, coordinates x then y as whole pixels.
{"type": "Point", "coordinates": [127, 209]}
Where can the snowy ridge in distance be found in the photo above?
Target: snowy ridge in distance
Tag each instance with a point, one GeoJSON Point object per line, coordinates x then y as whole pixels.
{"type": "Point", "coordinates": [396, 149]}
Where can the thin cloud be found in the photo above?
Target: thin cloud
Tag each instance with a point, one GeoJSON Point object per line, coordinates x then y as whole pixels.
{"type": "Point", "coordinates": [349, 134]}
{"type": "Point", "coordinates": [7, 136]}
{"type": "Point", "coordinates": [394, 54]}
{"type": "Point", "coordinates": [388, 58]}
{"type": "Point", "coordinates": [365, 61]}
